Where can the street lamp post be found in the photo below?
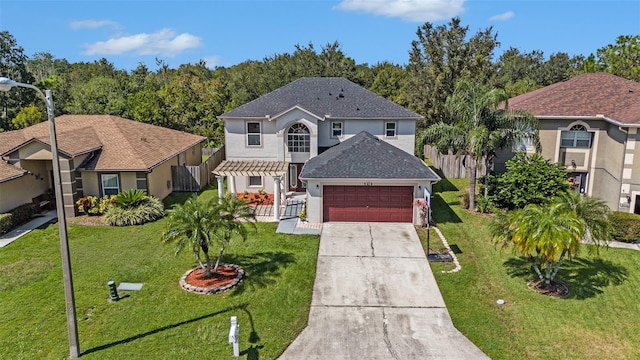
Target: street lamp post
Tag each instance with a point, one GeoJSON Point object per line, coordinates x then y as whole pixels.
{"type": "Point", "coordinates": [74, 348]}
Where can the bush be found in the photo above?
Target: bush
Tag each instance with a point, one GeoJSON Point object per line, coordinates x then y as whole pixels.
{"type": "Point", "coordinates": [464, 200]}
{"type": "Point", "coordinates": [92, 205]}
{"type": "Point", "coordinates": [150, 209]}
{"type": "Point", "coordinates": [625, 226]}
{"type": "Point", "coordinates": [484, 205]}
{"type": "Point", "coordinates": [130, 198]}
{"type": "Point", "coordinates": [17, 216]}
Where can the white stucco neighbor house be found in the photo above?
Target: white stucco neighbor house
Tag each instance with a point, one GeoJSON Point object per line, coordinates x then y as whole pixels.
{"type": "Point", "coordinates": [349, 150]}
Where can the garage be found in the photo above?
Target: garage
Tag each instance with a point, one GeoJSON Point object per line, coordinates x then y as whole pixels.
{"type": "Point", "coordinates": [368, 203]}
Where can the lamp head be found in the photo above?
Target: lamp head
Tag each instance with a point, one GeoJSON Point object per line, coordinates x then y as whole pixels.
{"type": "Point", "coordinates": [6, 84]}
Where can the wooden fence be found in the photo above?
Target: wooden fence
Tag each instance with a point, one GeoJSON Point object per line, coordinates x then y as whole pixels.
{"type": "Point", "coordinates": [196, 178]}
{"type": "Point", "coordinates": [450, 165]}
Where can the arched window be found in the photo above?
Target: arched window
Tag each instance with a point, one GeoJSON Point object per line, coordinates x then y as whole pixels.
{"type": "Point", "coordinates": [576, 137]}
{"type": "Point", "coordinates": [298, 138]}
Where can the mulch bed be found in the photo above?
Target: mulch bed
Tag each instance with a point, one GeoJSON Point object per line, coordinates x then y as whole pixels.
{"type": "Point", "coordinates": [555, 289]}
{"type": "Point", "coordinates": [226, 277]}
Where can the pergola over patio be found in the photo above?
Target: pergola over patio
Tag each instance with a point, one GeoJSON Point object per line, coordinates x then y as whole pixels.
{"type": "Point", "coordinates": [233, 168]}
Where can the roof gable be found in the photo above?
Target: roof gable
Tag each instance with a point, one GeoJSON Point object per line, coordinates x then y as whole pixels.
{"type": "Point", "coordinates": [587, 95]}
{"type": "Point", "coordinates": [125, 144]}
{"type": "Point", "coordinates": [325, 97]}
{"type": "Point", "coordinates": [364, 156]}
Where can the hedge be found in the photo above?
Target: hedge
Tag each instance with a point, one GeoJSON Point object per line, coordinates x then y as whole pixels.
{"type": "Point", "coordinates": [17, 216]}
{"type": "Point", "coordinates": [625, 226]}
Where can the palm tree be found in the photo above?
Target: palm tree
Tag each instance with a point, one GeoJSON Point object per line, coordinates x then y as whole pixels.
{"type": "Point", "coordinates": [192, 224]}
{"type": "Point", "coordinates": [595, 215]}
{"type": "Point", "coordinates": [544, 234]}
{"type": "Point", "coordinates": [481, 127]}
{"type": "Point", "coordinates": [233, 217]}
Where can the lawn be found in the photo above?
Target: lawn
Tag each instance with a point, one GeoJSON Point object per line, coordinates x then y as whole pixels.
{"type": "Point", "coordinates": [599, 319]}
{"type": "Point", "coordinates": [161, 321]}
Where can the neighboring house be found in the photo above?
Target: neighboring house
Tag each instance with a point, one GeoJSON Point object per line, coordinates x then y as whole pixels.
{"type": "Point", "coordinates": [99, 155]}
{"type": "Point", "coordinates": [590, 123]}
{"type": "Point", "coordinates": [279, 143]}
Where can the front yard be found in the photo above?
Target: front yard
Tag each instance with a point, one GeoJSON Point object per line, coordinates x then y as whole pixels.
{"type": "Point", "coordinates": [161, 321]}
{"type": "Point", "coordinates": [599, 319]}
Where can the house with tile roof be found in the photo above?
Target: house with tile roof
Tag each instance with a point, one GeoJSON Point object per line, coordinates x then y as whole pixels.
{"type": "Point", "coordinates": [99, 155]}
{"type": "Point", "coordinates": [590, 123]}
{"type": "Point", "coordinates": [349, 150]}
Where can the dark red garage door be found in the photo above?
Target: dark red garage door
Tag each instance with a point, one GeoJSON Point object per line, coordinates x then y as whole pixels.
{"type": "Point", "coordinates": [368, 203]}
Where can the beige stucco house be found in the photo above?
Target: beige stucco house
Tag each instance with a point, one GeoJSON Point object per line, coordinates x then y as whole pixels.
{"type": "Point", "coordinates": [99, 155]}
{"type": "Point", "coordinates": [590, 123]}
{"type": "Point", "coordinates": [350, 151]}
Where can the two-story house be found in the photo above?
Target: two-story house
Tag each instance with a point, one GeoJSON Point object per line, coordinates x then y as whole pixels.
{"type": "Point", "coordinates": [350, 150]}
{"type": "Point", "coordinates": [590, 123]}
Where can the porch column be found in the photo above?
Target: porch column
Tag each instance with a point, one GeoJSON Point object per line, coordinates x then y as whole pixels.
{"type": "Point", "coordinates": [231, 183]}
{"type": "Point", "coordinates": [276, 198]}
{"type": "Point", "coordinates": [220, 187]}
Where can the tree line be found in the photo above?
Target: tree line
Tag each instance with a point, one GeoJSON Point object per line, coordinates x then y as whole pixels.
{"type": "Point", "coordinates": [191, 97]}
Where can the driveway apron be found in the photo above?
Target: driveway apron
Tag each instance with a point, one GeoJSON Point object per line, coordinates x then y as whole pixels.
{"type": "Point", "coordinates": [375, 297]}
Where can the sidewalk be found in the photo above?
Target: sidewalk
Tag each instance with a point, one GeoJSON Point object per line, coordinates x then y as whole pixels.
{"type": "Point", "coordinates": [25, 228]}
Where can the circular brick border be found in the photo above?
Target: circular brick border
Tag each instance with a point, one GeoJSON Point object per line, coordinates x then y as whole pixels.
{"type": "Point", "coordinates": [209, 291]}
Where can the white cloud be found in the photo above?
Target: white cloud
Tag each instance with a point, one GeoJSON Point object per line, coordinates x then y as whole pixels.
{"type": "Point", "coordinates": [212, 61]}
{"type": "Point", "coordinates": [504, 16]}
{"type": "Point", "coordinates": [408, 10]}
{"type": "Point", "coordinates": [92, 24]}
{"type": "Point", "coordinates": [164, 42]}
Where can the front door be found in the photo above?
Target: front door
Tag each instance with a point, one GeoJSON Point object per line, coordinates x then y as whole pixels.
{"type": "Point", "coordinates": [295, 184]}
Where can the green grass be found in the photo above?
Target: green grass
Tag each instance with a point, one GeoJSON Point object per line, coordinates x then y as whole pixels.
{"type": "Point", "coordinates": [161, 321]}
{"type": "Point", "coordinates": [599, 319]}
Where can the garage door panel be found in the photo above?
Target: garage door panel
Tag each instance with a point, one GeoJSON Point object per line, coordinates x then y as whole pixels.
{"type": "Point", "coordinates": [368, 203]}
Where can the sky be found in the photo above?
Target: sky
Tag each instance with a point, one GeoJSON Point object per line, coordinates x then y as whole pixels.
{"type": "Point", "coordinates": [228, 32]}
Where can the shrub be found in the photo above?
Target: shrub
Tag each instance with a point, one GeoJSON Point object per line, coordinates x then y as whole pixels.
{"type": "Point", "coordinates": [130, 198]}
{"type": "Point", "coordinates": [5, 223]}
{"type": "Point", "coordinates": [17, 216]}
{"type": "Point", "coordinates": [464, 200]}
{"type": "Point", "coordinates": [92, 205]}
{"type": "Point", "coordinates": [484, 205]}
{"type": "Point", "coordinates": [624, 226]}
{"type": "Point", "coordinates": [150, 209]}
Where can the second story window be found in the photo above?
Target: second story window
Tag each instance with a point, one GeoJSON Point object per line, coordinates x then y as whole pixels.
{"type": "Point", "coordinates": [298, 139]}
{"type": "Point", "coordinates": [390, 129]}
{"type": "Point", "coordinates": [576, 137]}
{"type": "Point", "coordinates": [336, 129]}
{"type": "Point", "coordinates": [254, 135]}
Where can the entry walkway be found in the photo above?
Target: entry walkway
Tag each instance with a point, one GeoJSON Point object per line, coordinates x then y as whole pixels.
{"type": "Point", "coordinates": [25, 228]}
{"type": "Point", "coordinates": [375, 297]}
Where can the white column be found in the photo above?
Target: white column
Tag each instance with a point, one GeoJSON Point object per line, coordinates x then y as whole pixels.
{"type": "Point", "coordinates": [220, 187]}
{"type": "Point", "coordinates": [276, 198]}
{"type": "Point", "coordinates": [231, 183]}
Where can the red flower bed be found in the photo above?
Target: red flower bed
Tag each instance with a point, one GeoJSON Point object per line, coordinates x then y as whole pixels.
{"type": "Point", "coordinates": [256, 198]}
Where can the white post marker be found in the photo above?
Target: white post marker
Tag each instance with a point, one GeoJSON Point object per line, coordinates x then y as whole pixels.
{"type": "Point", "coordinates": [233, 335]}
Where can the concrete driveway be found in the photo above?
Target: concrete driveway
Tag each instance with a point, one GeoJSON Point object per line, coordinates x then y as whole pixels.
{"type": "Point", "coordinates": [375, 297]}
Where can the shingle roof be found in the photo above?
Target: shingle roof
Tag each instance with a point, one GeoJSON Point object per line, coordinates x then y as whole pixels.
{"type": "Point", "coordinates": [10, 172]}
{"type": "Point", "coordinates": [125, 144]}
{"type": "Point", "coordinates": [586, 95]}
{"type": "Point", "coordinates": [333, 97]}
{"type": "Point", "coordinates": [364, 156]}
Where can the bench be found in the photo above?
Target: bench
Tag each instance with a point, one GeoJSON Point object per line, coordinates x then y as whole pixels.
{"type": "Point", "coordinates": [42, 202]}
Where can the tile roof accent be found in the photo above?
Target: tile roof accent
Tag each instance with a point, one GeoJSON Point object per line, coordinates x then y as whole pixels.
{"type": "Point", "coordinates": [364, 156]}
{"type": "Point", "coordinates": [251, 168]}
{"type": "Point", "coordinates": [125, 144]}
{"type": "Point", "coordinates": [330, 96]}
{"type": "Point", "coordinates": [10, 172]}
{"type": "Point", "coordinates": [587, 95]}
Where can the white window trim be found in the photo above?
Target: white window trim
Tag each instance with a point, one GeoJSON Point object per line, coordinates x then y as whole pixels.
{"type": "Point", "coordinates": [568, 129]}
{"type": "Point", "coordinates": [249, 181]}
{"type": "Point", "coordinates": [395, 129]}
{"type": "Point", "coordinates": [102, 187]}
{"type": "Point", "coordinates": [293, 145]}
{"type": "Point", "coordinates": [248, 134]}
{"type": "Point", "coordinates": [341, 129]}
